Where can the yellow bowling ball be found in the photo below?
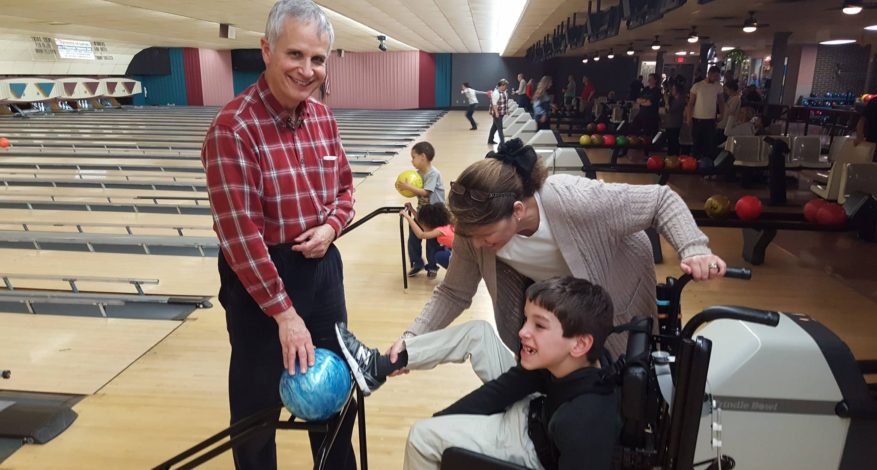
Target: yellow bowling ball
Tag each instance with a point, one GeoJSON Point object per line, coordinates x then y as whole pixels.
{"type": "Point", "coordinates": [411, 177]}
{"type": "Point", "coordinates": [585, 140]}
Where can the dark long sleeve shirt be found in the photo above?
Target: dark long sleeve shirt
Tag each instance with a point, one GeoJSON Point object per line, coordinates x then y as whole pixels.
{"type": "Point", "coordinates": [584, 428]}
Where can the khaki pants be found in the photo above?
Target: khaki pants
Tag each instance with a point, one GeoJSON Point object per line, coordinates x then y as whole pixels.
{"type": "Point", "coordinates": [502, 435]}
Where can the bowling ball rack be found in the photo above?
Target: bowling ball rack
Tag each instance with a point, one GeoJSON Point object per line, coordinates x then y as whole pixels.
{"type": "Point", "coordinates": [265, 421]}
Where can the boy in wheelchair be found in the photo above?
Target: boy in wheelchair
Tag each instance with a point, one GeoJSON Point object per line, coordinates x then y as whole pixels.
{"type": "Point", "coordinates": [555, 409]}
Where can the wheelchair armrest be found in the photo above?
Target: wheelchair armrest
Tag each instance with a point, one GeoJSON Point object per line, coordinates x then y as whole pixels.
{"type": "Point", "coordinates": [456, 458]}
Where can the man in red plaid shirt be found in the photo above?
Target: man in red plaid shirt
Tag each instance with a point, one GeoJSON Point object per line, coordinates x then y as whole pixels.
{"type": "Point", "coordinates": [281, 191]}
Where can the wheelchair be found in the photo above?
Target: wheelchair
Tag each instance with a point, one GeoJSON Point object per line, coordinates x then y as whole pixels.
{"type": "Point", "coordinates": [767, 390]}
{"type": "Point", "coordinates": [651, 436]}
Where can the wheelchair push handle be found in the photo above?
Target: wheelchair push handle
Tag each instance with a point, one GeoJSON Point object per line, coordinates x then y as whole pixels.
{"type": "Point", "coordinates": [738, 273]}
{"type": "Point", "coordinates": [730, 312]}
{"type": "Point", "coordinates": [734, 273]}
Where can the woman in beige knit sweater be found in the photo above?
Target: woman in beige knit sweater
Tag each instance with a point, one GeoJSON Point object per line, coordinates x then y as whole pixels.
{"type": "Point", "coordinates": [515, 225]}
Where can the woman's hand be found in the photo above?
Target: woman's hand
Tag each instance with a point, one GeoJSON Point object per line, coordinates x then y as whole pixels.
{"type": "Point", "coordinates": [393, 353]}
{"type": "Point", "coordinates": [704, 267]}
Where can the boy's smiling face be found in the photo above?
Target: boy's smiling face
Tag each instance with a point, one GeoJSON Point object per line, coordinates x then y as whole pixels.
{"type": "Point", "coordinates": [543, 345]}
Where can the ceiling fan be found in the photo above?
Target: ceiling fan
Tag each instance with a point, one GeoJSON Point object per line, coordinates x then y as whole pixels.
{"type": "Point", "coordinates": [750, 24]}
{"type": "Point", "coordinates": [692, 36]}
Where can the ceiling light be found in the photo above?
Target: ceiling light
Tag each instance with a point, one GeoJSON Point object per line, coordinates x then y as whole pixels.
{"type": "Point", "coordinates": [873, 27]}
{"type": "Point", "coordinates": [691, 52]}
{"type": "Point", "coordinates": [630, 50]}
{"type": "Point", "coordinates": [585, 60]}
{"type": "Point", "coordinates": [837, 42]}
{"type": "Point", "coordinates": [504, 17]}
{"type": "Point", "coordinates": [693, 37]}
{"type": "Point", "coordinates": [611, 54]}
{"type": "Point", "coordinates": [681, 53]}
{"type": "Point", "coordinates": [656, 45]}
{"type": "Point", "coordinates": [728, 48]}
{"type": "Point", "coordinates": [751, 24]}
{"type": "Point", "coordinates": [852, 7]}
{"type": "Point", "coordinates": [596, 58]}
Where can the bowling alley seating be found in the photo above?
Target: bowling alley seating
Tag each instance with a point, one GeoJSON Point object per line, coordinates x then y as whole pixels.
{"type": "Point", "coordinates": [807, 149]}
{"type": "Point", "coordinates": [857, 178]}
{"type": "Point", "coordinates": [747, 151]}
{"type": "Point", "coordinates": [843, 152]}
{"type": "Point", "coordinates": [767, 148]}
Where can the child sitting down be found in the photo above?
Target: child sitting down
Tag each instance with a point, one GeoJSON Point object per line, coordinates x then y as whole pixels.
{"type": "Point", "coordinates": [555, 409]}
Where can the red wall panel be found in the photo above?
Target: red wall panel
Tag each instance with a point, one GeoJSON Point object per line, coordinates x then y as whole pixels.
{"type": "Point", "coordinates": [426, 95]}
{"type": "Point", "coordinates": [192, 69]}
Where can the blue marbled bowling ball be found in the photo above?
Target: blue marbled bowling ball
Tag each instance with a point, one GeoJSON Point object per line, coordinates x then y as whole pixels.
{"type": "Point", "coordinates": [319, 393]}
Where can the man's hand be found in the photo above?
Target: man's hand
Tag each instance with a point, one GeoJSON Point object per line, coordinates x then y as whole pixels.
{"type": "Point", "coordinates": [295, 341]}
{"type": "Point", "coordinates": [314, 242]}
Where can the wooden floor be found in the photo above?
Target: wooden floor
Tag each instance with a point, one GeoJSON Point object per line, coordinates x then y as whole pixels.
{"type": "Point", "coordinates": [174, 395]}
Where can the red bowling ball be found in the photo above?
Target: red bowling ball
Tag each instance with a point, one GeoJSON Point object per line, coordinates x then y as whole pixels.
{"type": "Point", "coordinates": [655, 163]}
{"type": "Point", "coordinates": [688, 163]}
{"type": "Point", "coordinates": [748, 208]}
{"type": "Point", "coordinates": [812, 208]}
{"type": "Point", "coordinates": [609, 139]}
{"type": "Point", "coordinates": [601, 127]}
{"type": "Point", "coordinates": [831, 214]}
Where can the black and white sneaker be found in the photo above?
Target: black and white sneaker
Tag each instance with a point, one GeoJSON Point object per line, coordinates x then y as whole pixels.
{"type": "Point", "coordinates": [362, 360]}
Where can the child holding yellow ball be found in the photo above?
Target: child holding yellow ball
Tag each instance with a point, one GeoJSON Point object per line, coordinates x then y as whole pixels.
{"type": "Point", "coordinates": [433, 191]}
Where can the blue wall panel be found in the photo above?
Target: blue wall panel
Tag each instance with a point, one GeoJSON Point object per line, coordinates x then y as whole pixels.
{"type": "Point", "coordinates": [165, 89]}
{"type": "Point", "coordinates": [243, 79]}
{"type": "Point", "coordinates": [443, 86]}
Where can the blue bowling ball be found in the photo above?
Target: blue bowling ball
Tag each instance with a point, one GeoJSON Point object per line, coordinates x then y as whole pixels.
{"type": "Point", "coordinates": [319, 393]}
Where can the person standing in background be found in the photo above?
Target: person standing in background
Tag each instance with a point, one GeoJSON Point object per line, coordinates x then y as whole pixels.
{"type": "Point", "coordinates": [704, 104]}
{"type": "Point", "coordinates": [499, 105]}
{"type": "Point", "coordinates": [587, 96]}
{"type": "Point", "coordinates": [471, 97]}
{"type": "Point", "coordinates": [675, 108]}
{"type": "Point", "coordinates": [569, 93]}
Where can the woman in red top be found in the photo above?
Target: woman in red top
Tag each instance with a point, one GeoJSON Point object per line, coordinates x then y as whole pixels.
{"type": "Point", "coordinates": [432, 222]}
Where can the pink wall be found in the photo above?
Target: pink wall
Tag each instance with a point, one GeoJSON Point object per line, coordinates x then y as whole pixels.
{"type": "Point", "coordinates": [217, 86]}
{"type": "Point", "coordinates": [806, 71]}
{"type": "Point", "coordinates": [373, 80]}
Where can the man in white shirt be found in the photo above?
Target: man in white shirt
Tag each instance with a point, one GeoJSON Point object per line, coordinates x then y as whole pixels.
{"type": "Point", "coordinates": [471, 102]}
{"type": "Point", "coordinates": [703, 106]}
{"type": "Point", "coordinates": [521, 93]}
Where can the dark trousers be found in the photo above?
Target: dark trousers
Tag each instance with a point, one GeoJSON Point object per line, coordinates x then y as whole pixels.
{"type": "Point", "coordinates": [470, 110]}
{"type": "Point", "coordinates": [703, 134]}
{"type": "Point", "coordinates": [415, 252]}
{"type": "Point", "coordinates": [672, 140]}
{"type": "Point", "coordinates": [497, 126]}
{"type": "Point", "coordinates": [443, 257]}
{"type": "Point", "coordinates": [524, 102]}
{"type": "Point", "coordinates": [540, 125]}
{"type": "Point", "coordinates": [316, 287]}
